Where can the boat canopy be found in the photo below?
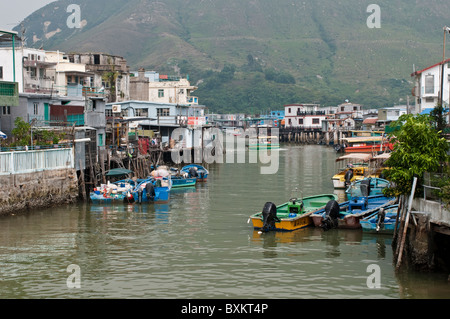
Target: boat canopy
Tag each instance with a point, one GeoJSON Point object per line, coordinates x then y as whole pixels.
{"type": "Point", "coordinates": [118, 172]}
{"type": "Point", "coordinates": [365, 157]}
{"type": "Point", "coordinates": [363, 139]}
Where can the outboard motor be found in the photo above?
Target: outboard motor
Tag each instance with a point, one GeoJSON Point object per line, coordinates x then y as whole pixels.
{"type": "Point", "coordinates": [348, 177]}
{"type": "Point", "coordinates": [330, 219]}
{"type": "Point", "coordinates": [193, 172]}
{"type": "Point", "coordinates": [150, 191]}
{"type": "Point", "coordinates": [269, 214]}
{"type": "Point", "coordinates": [365, 187]}
{"type": "Point", "coordinates": [380, 218]}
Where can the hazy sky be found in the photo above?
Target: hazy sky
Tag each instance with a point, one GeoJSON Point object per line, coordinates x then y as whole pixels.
{"type": "Point", "coordinates": [15, 11]}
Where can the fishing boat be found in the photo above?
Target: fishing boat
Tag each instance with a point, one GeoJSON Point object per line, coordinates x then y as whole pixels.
{"type": "Point", "coordinates": [366, 144]}
{"type": "Point", "coordinates": [356, 168]}
{"type": "Point", "coordinates": [294, 214]}
{"type": "Point", "coordinates": [195, 170]}
{"type": "Point", "coordinates": [348, 214]}
{"type": "Point", "coordinates": [117, 192]}
{"type": "Point", "coordinates": [376, 187]}
{"type": "Point", "coordinates": [155, 190]}
{"type": "Point", "coordinates": [264, 142]}
{"type": "Point", "coordinates": [381, 221]}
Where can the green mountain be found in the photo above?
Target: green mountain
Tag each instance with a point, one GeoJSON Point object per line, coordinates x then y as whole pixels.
{"type": "Point", "coordinates": [253, 56]}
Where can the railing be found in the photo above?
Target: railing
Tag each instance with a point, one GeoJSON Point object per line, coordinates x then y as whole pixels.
{"type": "Point", "coordinates": [9, 93]}
{"type": "Point", "coordinates": [20, 162]}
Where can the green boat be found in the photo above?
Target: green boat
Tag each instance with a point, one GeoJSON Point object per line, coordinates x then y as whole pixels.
{"type": "Point", "coordinates": [292, 215]}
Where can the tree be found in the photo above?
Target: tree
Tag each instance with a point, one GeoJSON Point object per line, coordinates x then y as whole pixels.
{"type": "Point", "coordinates": [21, 132]}
{"type": "Point", "coordinates": [418, 148]}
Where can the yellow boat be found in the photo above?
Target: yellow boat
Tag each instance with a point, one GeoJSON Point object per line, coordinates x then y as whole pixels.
{"type": "Point", "coordinates": [289, 216]}
{"type": "Point", "coordinates": [357, 168]}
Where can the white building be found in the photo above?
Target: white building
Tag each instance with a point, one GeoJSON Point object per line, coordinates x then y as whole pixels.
{"type": "Point", "coordinates": [304, 116]}
{"type": "Point", "coordinates": [428, 86]}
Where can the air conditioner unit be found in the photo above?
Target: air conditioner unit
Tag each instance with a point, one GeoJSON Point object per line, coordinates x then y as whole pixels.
{"type": "Point", "coordinates": [116, 108]}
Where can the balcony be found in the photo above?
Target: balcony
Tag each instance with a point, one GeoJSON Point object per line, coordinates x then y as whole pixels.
{"type": "Point", "coordinates": [192, 100]}
{"type": "Point", "coordinates": [9, 93]}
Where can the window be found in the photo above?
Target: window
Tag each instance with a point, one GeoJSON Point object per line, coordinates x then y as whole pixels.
{"type": "Point", "coordinates": [162, 112]}
{"type": "Point", "coordinates": [108, 113]}
{"type": "Point", "coordinates": [160, 93]}
{"type": "Point", "coordinates": [35, 108]}
{"type": "Point", "coordinates": [300, 121]}
{"type": "Point", "coordinates": [429, 84]}
{"type": "Point", "coordinates": [1, 72]}
{"type": "Point", "coordinates": [315, 121]}
{"type": "Point", "coordinates": [141, 112]}
{"type": "Point", "coordinates": [429, 99]}
{"type": "Point", "coordinates": [96, 58]}
{"type": "Point", "coordinates": [6, 110]}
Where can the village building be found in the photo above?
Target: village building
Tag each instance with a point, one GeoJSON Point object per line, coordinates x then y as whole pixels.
{"type": "Point", "coordinates": [427, 86]}
{"type": "Point", "coordinates": [304, 116]}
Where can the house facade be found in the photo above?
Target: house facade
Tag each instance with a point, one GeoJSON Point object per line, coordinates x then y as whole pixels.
{"type": "Point", "coordinates": [304, 116]}
{"type": "Point", "coordinates": [427, 86]}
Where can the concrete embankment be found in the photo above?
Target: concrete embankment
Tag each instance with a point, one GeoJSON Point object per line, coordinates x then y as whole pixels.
{"type": "Point", "coordinates": [35, 179]}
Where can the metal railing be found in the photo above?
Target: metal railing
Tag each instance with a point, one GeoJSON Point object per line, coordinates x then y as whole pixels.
{"type": "Point", "coordinates": [20, 162]}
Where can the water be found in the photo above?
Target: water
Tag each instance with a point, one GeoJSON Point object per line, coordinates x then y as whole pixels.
{"type": "Point", "coordinates": [199, 245]}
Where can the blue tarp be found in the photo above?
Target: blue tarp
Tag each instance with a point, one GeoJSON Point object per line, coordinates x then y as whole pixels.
{"type": "Point", "coordinates": [3, 135]}
{"type": "Point", "coordinates": [428, 111]}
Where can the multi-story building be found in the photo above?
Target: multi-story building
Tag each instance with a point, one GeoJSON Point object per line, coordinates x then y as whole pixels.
{"type": "Point", "coordinates": [110, 73]}
{"type": "Point", "coordinates": [304, 116]}
{"type": "Point", "coordinates": [162, 88]}
{"type": "Point", "coordinates": [428, 84]}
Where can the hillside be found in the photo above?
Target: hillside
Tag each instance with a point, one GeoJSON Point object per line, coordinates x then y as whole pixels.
{"type": "Point", "coordinates": [251, 56]}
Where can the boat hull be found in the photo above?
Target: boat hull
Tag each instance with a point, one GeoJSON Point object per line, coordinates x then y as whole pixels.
{"type": "Point", "coordinates": [183, 182]}
{"type": "Point", "coordinates": [161, 196]}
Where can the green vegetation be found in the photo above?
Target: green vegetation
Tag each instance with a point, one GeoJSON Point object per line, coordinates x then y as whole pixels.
{"type": "Point", "coordinates": [23, 135]}
{"type": "Point", "coordinates": [250, 56]}
{"type": "Point", "coordinates": [418, 148]}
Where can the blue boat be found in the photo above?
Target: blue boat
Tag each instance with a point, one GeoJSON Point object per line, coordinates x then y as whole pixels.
{"type": "Point", "coordinates": [117, 192]}
{"type": "Point", "coordinates": [155, 190]}
{"type": "Point", "coordinates": [376, 187]}
{"type": "Point", "coordinates": [348, 214]}
{"type": "Point", "coordinates": [381, 221]}
{"type": "Point", "coordinates": [195, 170]}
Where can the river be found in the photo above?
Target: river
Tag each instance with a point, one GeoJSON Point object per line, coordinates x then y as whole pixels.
{"type": "Point", "coordinates": [199, 245]}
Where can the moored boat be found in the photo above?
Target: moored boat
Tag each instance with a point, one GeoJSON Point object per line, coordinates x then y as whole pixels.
{"type": "Point", "coordinates": [356, 168]}
{"type": "Point", "coordinates": [294, 214]}
{"type": "Point", "coordinates": [367, 144]}
{"type": "Point", "coordinates": [348, 214]}
{"type": "Point", "coordinates": [155, 190]}
{"type": "Point", "coordinates": [381, 221]}
{"type": "Point", "coordinates": [376, 186]}
{"type": "Point", "coordinates": [264, 142]}
{"type": "Point", "coordinates": [117, 192]}
{"type": "Point", "coordinates": [197, 171]}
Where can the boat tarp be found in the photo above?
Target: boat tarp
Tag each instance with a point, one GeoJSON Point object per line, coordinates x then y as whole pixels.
{"type": "Point", "coordinates": [365, 157]}
{"type": "Point", "coordinates": [363, 139]}
{"type": "Point", "coordinates": [118, 172]}
{"type": "Point", "coordinates": [383, 156]}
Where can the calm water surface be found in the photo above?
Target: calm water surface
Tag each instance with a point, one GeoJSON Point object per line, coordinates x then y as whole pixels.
{"type": "Point", "coordinates": [200, 245]}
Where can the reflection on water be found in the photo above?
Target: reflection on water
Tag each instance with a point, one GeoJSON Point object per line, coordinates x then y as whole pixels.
{"type": "Point", "coordinates": [199, 244]}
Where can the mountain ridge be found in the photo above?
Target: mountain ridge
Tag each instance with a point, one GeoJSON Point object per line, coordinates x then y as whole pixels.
{"type": "Point", "coordinates": [326, 46]}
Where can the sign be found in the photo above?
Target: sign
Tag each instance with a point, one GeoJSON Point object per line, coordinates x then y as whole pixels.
{"type": "Point", "coordinates": [196, 120]}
